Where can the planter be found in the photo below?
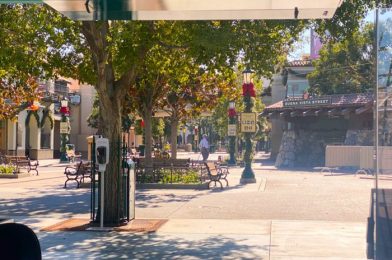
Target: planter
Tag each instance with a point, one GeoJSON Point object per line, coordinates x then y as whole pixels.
{"type": "Point", "coordinates": [15, 176]}
{"type": "Point", "coordinates": [198, 186]}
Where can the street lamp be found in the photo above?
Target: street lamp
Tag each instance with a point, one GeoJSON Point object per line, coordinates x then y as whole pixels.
{"type": "Point", "coordinates": [248, 92]}
{"type": "Point", "coordinates": [232, 132]}
{"type": "Point", "coordinates": [247, 73]}
{"type": "Point", "coordinates": [64, 129]}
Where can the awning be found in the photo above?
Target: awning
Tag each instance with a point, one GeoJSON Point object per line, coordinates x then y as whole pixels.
{"type": "Point", "coordinates": [333, 105]}
{"type": "Point", "coordinates": [193, 9]}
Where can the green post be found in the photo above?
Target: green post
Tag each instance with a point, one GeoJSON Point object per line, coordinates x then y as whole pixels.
{"type": "Point", "coordinates": [64, 129]}
{"type": "Point", "coordinates": [232, 122]}
{"type": "Point", "coordinates": [64, 140]}
{"type": "Point", "coordinates": [248, 91]}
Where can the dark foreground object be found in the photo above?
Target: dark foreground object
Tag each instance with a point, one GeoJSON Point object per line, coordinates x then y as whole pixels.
{"type": "Point", "coordinates": [383, 221]}
{"type": "Point", "coordinates": [18, 242]}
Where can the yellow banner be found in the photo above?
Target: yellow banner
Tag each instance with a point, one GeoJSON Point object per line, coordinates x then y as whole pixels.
{"type": "Point", "coordinates": [248, 122]}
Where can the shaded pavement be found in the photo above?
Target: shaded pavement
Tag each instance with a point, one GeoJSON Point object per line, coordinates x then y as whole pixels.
{"type": "Point", "coordinates": [285, 215]}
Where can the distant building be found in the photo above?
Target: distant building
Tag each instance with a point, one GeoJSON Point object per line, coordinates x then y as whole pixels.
{"type": "Point", "coordinates": [312, 123]}
{"type": "Point", "coordinates": [290, 81]}
{"type": "Point", "coordinates": [37, 133]}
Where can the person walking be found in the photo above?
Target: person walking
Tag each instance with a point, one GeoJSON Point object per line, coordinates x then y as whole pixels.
{"type": "Point", "coordinates": [204, 148]}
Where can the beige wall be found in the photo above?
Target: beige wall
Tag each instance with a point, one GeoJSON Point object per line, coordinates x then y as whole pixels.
{"type": "Point", "coordinates": [342, 155]}
{"type": "Point", "coordinates": [87, 97]}
{"type": "Point", "coordinates": [79, 127]}
{"type": "Point", "coordinates": [11, 132]}
{"type": "Point", "coordinates": [357, 156]}
{"type": "Point", "coordinates": [278, 93]}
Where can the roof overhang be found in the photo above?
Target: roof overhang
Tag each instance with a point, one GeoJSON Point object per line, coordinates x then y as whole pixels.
{"type": "Point", "coordinates": [333, 105]}
{"type": "Point", "coordinates": [193, 9]}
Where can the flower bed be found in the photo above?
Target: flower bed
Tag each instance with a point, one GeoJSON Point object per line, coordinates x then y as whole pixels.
{"type": "Point", "coordinates": [10, 171]}
{"type": "Point", "coordinates": [162, 178]}
{"type": "Point", "coordinates": [7, 169]}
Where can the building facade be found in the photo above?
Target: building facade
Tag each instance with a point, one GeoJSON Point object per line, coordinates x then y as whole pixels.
{"type": "Point", "coordinates": [36, 132]}
{"type": "Point", "coordinates": [289, 82]}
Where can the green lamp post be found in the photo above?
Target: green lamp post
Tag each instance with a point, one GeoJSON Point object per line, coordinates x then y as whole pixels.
{"type": "Point", "coordinates": [248, 93]}
{"type": "Point", "coordinates": [232, 132]}
{"type": "Point", "coordinates": [64, 130]}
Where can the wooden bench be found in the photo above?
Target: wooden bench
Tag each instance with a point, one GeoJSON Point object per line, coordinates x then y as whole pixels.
{"type": "Point", "coordinates": [216, 173]}
{"type": "Point", "coordinates": [77, 173]}
{"type": "Point", "coordinates": [22, 162]}
{"type": "Point", "coordinates": [365, 171]}
{"type": "Point", "coordinates": [331, 170]}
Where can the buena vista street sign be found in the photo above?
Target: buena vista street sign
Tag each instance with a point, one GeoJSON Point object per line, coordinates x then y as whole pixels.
{"type": "Point", "coordinates": [307, 102]}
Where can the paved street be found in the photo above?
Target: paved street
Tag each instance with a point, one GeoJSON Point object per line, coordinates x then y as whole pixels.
{"type": "Point", "coordinates": [285, 215]}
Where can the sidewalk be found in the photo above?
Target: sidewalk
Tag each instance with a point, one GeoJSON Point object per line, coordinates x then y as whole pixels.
{"type": "Point", "coordinates": [214, 239]}
{"type": "Point", "coordinates": [285, 215]}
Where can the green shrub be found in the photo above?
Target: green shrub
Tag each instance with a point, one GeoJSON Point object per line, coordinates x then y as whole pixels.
{"type": "Point", "coordinates": [7, 169]}
{"type": "Point", "coordinates": [191, 176]}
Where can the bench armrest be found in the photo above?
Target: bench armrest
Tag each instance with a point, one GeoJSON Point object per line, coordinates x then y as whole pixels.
{"type": "Point", "coordinates": [34, 163]}
{"type": "Point", "coordinates": [70, 170]}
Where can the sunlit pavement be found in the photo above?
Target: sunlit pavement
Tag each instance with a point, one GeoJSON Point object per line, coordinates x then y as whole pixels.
{"type": "Point", "coordinates": [285, 215]}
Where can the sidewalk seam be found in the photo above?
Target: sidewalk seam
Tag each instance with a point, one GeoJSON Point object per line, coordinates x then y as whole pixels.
{"type": "Point", "coordinates": [270, 242]}
{"type": "Point", "coordinates": [177, 209]}
{"type": "Point", "coordinates": [263, 184]}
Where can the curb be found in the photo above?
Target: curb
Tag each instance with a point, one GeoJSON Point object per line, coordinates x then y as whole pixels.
{"type": "Point", "coordinates": [200, 186]}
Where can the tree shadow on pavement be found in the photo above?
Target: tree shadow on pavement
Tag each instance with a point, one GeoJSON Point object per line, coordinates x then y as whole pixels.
{"type": "Point", "coordinates": [103, 245]}
{"type": "Point", "coordinates": [47, 202]}
{"type": "Point", "coordinates": [146, 199]}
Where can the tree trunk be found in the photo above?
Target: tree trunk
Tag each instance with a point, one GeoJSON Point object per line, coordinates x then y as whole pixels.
{"type": "Point", "coordinates": [173, 136]}
{"type": "Point", "coordinates": [111, 97]}
{"type": "Point", "coordinates": [147, 117]}
{"type": "Point", "coordinates": [111, 129]}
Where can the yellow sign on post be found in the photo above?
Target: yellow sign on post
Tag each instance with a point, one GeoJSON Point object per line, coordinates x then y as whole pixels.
{"type": "Point", "coordinates": [248, 122]}
{"type": "Point", "coordinates": [64, 128]}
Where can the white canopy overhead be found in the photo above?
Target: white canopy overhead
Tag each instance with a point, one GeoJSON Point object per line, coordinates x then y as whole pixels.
{"type": "Point", "coordinates": [195, 9]}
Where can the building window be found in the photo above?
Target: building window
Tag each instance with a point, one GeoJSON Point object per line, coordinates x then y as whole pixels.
{"type": "Point", "coordinates": [296, 88]}
{"type": "Point", "coordinates": [45, 135]}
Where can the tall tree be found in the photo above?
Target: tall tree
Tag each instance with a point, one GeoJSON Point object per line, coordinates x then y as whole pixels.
{"type": "Point", "coordinates": [201, 91]}
{"type": "Point", "coordinates": [346, 66]}
{"type": "Point", "coordinates": [112, 56]}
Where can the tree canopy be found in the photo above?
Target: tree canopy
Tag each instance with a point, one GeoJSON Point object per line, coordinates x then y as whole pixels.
{"type": "Point", "coordinates": [125, 58]}
{"type": "Point", "coordinates": [346, 66]}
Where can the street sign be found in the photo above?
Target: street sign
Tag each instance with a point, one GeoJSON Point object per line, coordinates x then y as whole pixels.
{"type": "Point", "coordinates": [248, 122]}
{"type": "Point", "coordinates": [232, 130]}
{"type": "Point", "coordinates": [307, 102]}
{"type": "Point", "coordinates": [64, 128]}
